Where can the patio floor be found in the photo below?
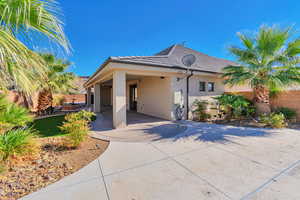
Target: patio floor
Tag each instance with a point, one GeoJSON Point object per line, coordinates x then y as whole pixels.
{"type": "Point", "coordinates": [139, 128]}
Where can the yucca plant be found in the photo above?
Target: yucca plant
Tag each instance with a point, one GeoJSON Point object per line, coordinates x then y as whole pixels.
{"type": "Point", "coordinates": [17, 142]}
{"type": "Point", "coordinates": [267, 61]}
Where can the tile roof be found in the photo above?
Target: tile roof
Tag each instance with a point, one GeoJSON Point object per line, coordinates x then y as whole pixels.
{"type": "Point", "coordinates": [171, 57]}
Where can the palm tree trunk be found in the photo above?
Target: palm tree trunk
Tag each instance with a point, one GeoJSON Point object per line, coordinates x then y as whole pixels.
{"type": "Point", "coordinates": [44, 100]}
{"type": "Point", "coordinates": [262, 100]}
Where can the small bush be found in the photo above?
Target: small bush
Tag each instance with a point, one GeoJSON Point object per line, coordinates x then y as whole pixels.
{"type": "Point", "coordinates": [200, 110]}
{"type": "Point", "coordinates": [76, 127]}
{"type": "Point", "coordinates": [236, 106]}
{"type": "Point", "coordinates": [76, 132]}
{"type": "Point", "coordinates": [2, 168]}
{"type": "Point", "coordinates": [17, 142]}
{"type": "Point", "coordinates": [81, 115]}
{"type": "Point", "coordinates": [288, 113]}
{"type": "Point", "coordinates": [273, 120]}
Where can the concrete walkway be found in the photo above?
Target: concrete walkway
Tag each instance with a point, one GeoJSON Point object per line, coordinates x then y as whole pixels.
{"type": "Point", "coordinates": [200, 161]}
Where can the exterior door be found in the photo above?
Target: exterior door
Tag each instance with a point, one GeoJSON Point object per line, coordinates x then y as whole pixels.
{"type": "Point", "coordinates": [133, 97]}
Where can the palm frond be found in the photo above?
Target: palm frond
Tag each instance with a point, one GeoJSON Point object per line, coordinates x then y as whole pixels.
{"type": "Point", "coordinates": [271, 39]}
{"type": "Point", "coordinates": [19, 66]}
{"type": "Point", "coordinates": [236, 75]}
{"type": "Point", "coordinates": [35, 17]}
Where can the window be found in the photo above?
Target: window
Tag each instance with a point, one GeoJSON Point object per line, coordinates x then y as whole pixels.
{"type": "Point", "coordinates": [202, 86]}
{"type": "Point", "coordinates": [211, 86]}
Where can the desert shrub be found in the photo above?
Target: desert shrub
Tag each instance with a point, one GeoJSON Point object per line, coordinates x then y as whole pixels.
{"type": "Point", "coordinates": [273, 120]}
{"type": "Point", "coordinates": [236, 106]}
{"type": "Point", "coordinates": [2, 168]}
{"type": "Point", "coordinates": [201, 110]}
{"type": "Point", "coordinates": [81, 115]}
{"type": "Point", "coordinates": [12, 115]}
{"type": "Point", "coordinates": [18, 142]}
{"type": "Point", "coordinates": [76, 132]}
{"type": "Point", "coordinates": [76, 127]}
{"type": "Point", "coordinates": [287, 112]}
{"type": "Point", "coordinates": [86, 115]}
{"type": "Point", "coordinates": [59, 100]}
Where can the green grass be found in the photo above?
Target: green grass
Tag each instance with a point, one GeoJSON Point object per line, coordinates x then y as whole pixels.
{"type": "Point", "coordinates": [48, 127]}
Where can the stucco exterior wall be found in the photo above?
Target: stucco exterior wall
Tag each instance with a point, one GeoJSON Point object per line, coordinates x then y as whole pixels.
{"type": "Point", "coordinates": [179, 85]}
{"type": "Point", "coordinates": [154, 97]}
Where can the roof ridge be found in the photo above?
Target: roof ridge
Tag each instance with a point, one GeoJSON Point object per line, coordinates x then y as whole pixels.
{"type": "Point", "coordinates": [204, 53]}
{"type": "Point", "coordinates": [120, 57]}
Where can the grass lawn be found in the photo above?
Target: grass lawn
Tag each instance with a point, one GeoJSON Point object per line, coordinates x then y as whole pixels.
{"type": "Point", "coordinates": [48, 127]}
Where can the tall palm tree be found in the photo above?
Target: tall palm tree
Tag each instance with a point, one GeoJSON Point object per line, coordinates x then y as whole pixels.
{"type": "Point", "coordinates": [22, 22]}
{"type": "Point", "coordinates": [268, 60]}
{"type": "Point", "coordinates": [57, 81]}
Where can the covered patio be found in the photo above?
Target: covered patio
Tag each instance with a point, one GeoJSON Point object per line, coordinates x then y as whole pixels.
{"type": "Point", "coordinates": [140, 128]}
{"type": "Point", "coordinates": [121, 90]}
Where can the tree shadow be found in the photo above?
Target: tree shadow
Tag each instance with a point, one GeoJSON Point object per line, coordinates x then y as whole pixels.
{"type": "Point", "coordinates": [205, 132]}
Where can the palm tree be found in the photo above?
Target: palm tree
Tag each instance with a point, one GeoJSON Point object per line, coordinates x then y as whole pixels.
{"type": "Point", "coordinates": [25, 20]}
{"type": "Point", "coordinates": [57, 81]}
{"type": "Point", "coordinates": [267, 61]}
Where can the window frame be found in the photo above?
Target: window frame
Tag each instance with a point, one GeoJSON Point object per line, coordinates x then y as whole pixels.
{"type": "Point", "coordinates": [204, 86]}
{"type": "Point", "coordinates": [212, 86]}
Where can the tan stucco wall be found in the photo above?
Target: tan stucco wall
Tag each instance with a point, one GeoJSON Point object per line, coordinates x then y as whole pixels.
{"type": "Point", "coordinates": [194, 93]}
{"type": "Point", "coordinates": [155, 97]}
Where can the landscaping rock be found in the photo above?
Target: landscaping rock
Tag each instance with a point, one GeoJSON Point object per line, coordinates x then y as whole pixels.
{"type": "Point", "coordinates": [48, 167]}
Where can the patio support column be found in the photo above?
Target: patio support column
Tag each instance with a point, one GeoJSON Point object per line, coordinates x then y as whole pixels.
{"type": "Point", "coordinates": [88, 97]}
{"type": "Point", "coordinates": [119, 99]}
{"type": "Point", "coordinates": [97, 102]}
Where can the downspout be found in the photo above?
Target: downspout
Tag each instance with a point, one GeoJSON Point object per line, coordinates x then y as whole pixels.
{"type": "Point", "coordinates": [187, 93]}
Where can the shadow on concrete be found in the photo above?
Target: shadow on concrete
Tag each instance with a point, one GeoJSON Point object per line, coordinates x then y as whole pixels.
{"type": "Point", "coordinates": [143, 128]}
{"type": "Point", "coordinates": [207, 132]}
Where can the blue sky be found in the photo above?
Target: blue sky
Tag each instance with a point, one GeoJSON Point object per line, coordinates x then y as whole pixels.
{"type": "Point", "coordinates": [99, 29]}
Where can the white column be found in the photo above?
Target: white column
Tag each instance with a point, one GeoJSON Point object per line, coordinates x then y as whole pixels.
{"type": "Point", "coordinates": [97, 101]}
{"type": "Point", "coordinates": [119, 99]}
{"type": "Point", "coordinates": [88, 97]}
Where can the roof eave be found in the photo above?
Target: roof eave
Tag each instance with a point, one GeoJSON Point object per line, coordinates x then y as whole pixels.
{"type": "Point", "coordinates": [110, 59]}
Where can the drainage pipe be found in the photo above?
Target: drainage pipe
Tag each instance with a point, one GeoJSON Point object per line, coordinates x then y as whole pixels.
{"type": "Point", "coordinates": [187, 93]}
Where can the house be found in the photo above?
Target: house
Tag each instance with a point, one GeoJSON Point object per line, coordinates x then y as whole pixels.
{"type": "Point", "coordinates": [155, 85]}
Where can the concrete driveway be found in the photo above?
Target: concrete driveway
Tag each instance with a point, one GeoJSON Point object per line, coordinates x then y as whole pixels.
{"type": "Point", "coordinates": [200, 161]}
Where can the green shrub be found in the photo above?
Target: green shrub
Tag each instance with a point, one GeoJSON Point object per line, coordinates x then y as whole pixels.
{"type": "Point", "coordinates": [17, 142]}
{"type": "Point", "coordinates": [81, 115]}
{"type": "Point", "coordinates": [76, 132]}
{"type": "Point", "coordinates": [76, 127]}
{"type": "Point", "coordinates": [273, 120]}
{"type": "Point", "coordinates": [287, 112]}
{"type": "Point", "coordinates": [200, 110]}
{"type": "Point", "coordinates": [12, 115]}
{"type": "Point", "coordinates": [235, 105]}
{"type": "Point", "coordinates": [86, 115]}
{"type": "Point", "coordinates": [2, 168]}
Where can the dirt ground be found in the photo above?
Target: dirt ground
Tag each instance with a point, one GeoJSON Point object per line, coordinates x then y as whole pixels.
{"type": "Point", "coordinates": [54, 162]}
